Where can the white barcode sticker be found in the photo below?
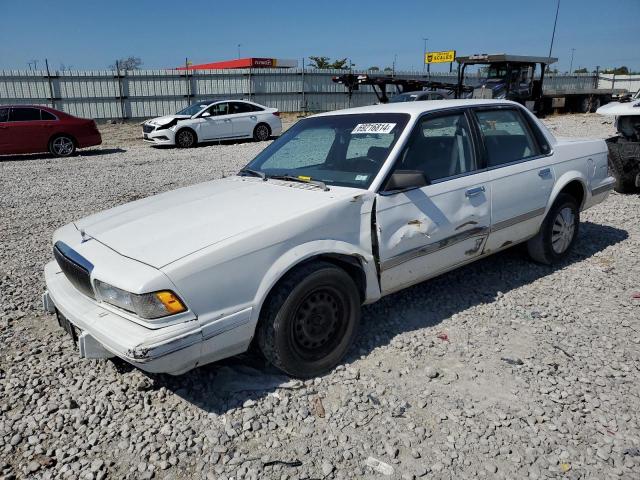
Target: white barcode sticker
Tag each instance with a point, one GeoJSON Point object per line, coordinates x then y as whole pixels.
{"type": "Point", "coordinates": [373, 128]}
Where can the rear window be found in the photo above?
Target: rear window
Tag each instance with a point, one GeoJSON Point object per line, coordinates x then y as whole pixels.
{"type": "Point", "coordinates": [46, 115]}
{"type": "Point", "coordinates": [507, 137]}
{"type": "Point", "coordinates": [24, 114]}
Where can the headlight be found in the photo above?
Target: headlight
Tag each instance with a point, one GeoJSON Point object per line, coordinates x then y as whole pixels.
{"type": "Point", "coordinates": [148, 305]}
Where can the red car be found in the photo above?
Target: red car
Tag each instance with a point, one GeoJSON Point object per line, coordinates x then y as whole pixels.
{"type": "Point", "coordinates": [35, 129]}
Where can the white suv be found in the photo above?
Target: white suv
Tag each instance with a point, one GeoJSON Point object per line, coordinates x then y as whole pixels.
{"type": "Point", "coordinates": [213, 120]}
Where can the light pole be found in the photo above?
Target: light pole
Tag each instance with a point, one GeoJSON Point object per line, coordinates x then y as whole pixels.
{"type": "Point", "coordinates": [553, 35]}
{"type": "Point", "coordinates": [424, 54]}
{"type": "Point", "coordinates": [239, 45]}
{"type": "Point", "coordinates": [573, 50]}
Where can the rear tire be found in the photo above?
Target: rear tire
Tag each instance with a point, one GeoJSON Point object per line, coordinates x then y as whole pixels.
{"type": "Point", "coordinates": [262, 132]}
{"type": "Point", "coordinates": [62, 146]}
{"type": "Point", "coordinates": [309, 320]}
{"type": "Point", "coordinates": [186, 138]}
{"type": "Point", "coordinates": [558, 232]}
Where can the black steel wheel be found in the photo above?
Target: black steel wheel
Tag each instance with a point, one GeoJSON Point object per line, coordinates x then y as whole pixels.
{"type": "Point", "coordinates": [310, 319]}
{"type": "Point", "coordinates": [262, 132]}
{"type": "Point", "coordinates": [185, 138]}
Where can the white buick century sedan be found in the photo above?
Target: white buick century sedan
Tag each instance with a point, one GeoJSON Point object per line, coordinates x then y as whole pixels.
{"type": "Point", "coordinates": [344, 208]}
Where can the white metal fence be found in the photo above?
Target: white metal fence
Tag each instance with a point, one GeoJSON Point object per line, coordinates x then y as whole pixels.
{"type": "Point", "coordinates": [105, 94]}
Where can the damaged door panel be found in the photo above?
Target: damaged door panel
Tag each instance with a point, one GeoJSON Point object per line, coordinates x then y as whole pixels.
{"type": "Point", "coordinates": [424, 231]}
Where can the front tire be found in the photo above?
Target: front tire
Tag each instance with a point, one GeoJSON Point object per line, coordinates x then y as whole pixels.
{"type": "Point", "coordinates": [558, 232]}
{"type": "Point", "coordinates": [186, 138]}
{"type": "Point", "coordinates": [62, 146]}
{"type": "Point", "coordinates": [262, 132]}
{"type": "Point", "coordinates": [310, 319]}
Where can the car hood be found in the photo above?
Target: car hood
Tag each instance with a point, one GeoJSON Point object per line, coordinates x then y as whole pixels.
{"type": "Point", "coordinates": [620, 108]}
{"type": "Point", "coordinates": [166, 119]}
{"type": "Point", "coordinates": [161, 229]}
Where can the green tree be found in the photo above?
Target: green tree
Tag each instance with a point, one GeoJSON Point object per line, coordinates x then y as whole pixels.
{"type": "Point", "coordinates": [340, 64]}
{"type": "Point", "coordinates": [374, 69]}
{"type": "Point", "coordinates": [320, 62]}
{"type": "Point", "coordinates": [580, 70]}
{"type": "Point", "coordinates": [388, 69]}
{"type": "Point", "coordinates": [623, 70]}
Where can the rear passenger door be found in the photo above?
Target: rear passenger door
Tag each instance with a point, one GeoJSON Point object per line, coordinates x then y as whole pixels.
{"type": "Point", "coordinates": [519, 159]}
{"type": "Point", "coordinates": [424, 231]}
{"type": "Point", "coordinates": [244, 118]}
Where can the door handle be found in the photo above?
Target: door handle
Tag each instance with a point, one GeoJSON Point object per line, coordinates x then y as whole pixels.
{"type": "Point", "coordinates": [227, 119]}
{"type": "Point", "coordinates": [472, 192]}
{"type": "Point", "coordinates": [544, 172]}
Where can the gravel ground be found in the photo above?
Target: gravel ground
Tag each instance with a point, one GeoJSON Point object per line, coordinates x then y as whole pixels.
{"type": "Point", "coordinates": [501, 369]}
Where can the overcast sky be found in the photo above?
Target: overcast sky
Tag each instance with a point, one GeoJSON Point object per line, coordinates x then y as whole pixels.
{"type": "Point", "coordinates": [84, 34]}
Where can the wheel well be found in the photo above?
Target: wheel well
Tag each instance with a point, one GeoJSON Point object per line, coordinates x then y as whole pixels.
{"type": "Point", "coordinates": [576, 190]}
{"type": "Point", "coordinates": [187, 128]}
{"type": "Point", "coordinates": [62, 134]}
{"type": "Point", "coordinates": [348, 263]}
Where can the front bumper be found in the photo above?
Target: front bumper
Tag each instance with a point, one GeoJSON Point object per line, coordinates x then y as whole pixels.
{"type": "Point", "coordinates": [173, 349]}
{"type": "Point", "coordinates": [160, 137]}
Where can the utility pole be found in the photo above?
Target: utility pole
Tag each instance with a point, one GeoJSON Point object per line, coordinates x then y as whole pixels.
{"type": "Point", "coordinates": [424, 54]}
{"type": "Point", "coordinates": [239, 45]}
{"type": "Point", "coordinates": [393, 68]}
{"type": "Point", "coordinates": [553, 35]}
{"type": "Point", "coordinates": [573, 50]}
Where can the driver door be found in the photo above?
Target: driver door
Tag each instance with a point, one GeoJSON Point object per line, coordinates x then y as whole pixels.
{"type": "Point", "coordinates": [424, 231]}
{"type": "Point", "coordinates": [217, 124]}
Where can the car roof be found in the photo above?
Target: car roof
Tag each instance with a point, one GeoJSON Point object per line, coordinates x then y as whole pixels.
{"type": "Point", "coordinates": [416, 108]}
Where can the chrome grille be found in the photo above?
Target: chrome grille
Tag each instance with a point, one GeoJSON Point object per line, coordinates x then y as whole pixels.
{"type": "Point", "coordinates": [76, 268]}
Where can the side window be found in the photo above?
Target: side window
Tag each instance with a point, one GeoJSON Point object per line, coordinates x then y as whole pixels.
{"type": "Point", "coordinates": [440, 147]}
{"type": "Point", "coordinates": [219, 109]}
{"type": "Point", "coordinates": [24, 114]}
{"type": "Point", "coordinates": [44, 115]}
{"type": "Point", "coordinates": [507, 137]}
{"type": "Point", "coordinates": [239, 107]}
{"type": "Point", "coordinates": [4, 114]}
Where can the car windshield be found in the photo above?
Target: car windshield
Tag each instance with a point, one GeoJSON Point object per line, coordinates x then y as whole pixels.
{"type": "Point", "coordinates": [403, 97]}
{"type": "Point", "coordinates": [191, 110]}
{"type": "Point", "coordinates": [343, 150]}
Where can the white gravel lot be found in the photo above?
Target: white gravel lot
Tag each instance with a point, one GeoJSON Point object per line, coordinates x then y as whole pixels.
{"type": "Point", "coordinates": [501, 369]}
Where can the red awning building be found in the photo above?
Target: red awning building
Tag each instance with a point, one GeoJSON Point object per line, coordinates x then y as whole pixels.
{"type": "Point", "coordinates": [251, 62]}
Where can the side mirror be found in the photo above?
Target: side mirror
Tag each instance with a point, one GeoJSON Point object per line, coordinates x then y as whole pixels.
{"type": "Point", "coordinates": [206, 114]}
{"type": "Point", "coordinates": [406, 179]}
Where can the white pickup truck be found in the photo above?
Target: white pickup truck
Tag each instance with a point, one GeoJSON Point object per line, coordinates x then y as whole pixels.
{"type": "Point", "coordinates": [344, 208]}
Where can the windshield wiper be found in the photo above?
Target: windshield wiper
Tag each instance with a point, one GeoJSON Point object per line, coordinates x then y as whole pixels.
{"type": "Point", "coordinates": [255, 173]}
{"type": "Point", "coordinates": [317, 183]}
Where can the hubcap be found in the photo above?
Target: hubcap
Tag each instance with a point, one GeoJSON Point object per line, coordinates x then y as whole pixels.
{"type": "Point", "coordinates": [185, 139]}
{"type": "Point", "coordinates": [319, 323]}
{"type": "Point", "coordinates": [263, 132]}
{"type": "Point", "coordinates": [62, 146]}
{"type": "Point", "coordinates": [563, 230]}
